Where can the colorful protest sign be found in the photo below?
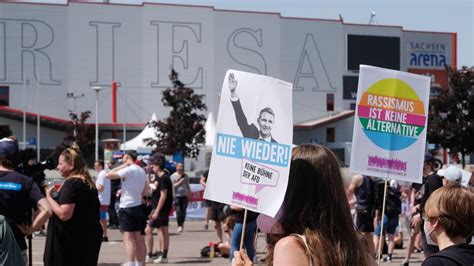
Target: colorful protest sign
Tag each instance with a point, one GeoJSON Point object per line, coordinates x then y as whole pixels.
{"type": "Point", "coordinates": [390, 124]}
{"type": "Point", "coordinates": [254, 132]}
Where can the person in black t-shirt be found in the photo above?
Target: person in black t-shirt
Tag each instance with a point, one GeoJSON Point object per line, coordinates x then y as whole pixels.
{"type": "Point", "coordinates": [162, 203]}
{"type": "Point", "coordinates": [449, 221]}
{"type": "Point", "coordinates": [363, 188]}
{"type": "Point", "coordinates": [74, 231]}
{"type": "Point", "coordinates": [18, 195]}
{"type": "Point", "coordinates": [432, 182]}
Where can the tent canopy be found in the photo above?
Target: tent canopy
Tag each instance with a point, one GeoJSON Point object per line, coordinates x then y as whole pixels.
{"type": "Point", "coordinates": [210, 128]}
{"type": "Point", "coordinates": [138, 142]}
{"type": "Point", "coordinates": [149, 132]}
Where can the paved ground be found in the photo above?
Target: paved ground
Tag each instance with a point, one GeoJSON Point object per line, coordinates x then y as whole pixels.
{"type": "Point", "coordinates": [185, 248]}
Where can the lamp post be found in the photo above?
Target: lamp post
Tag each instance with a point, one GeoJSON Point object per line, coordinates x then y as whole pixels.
{"type": "Point", "coordinates": [71, 95]}
{"type": "Point", "coordinates": [97, 89]}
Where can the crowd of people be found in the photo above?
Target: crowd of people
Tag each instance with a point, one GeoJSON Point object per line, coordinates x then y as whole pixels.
{"type": "Point", "coordinates": [438, 214]}
{"type": "Point", "coordinates": [77, 210]}
{"type": "Point", "coordinates": [440, 211]}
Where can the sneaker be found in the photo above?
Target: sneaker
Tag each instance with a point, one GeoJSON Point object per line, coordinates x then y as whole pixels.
{"type": "Point", "coordinates": [105, 239]}
{"type": "Point", "coordinates": [149, 259]}
{"type": "Point", "coordinates": [160, 259]}
{"type": "Point", "coordinates": [206, 226]}
{"type": "Point", "coordinates": [180, 229]}
{"type": "Point", "coordinates": [40, 233]}
{"type": "Point", "coordinates": [155, 254]}
{"type": "Point", "coordinates": [404, 263]}
{"type": "Point", "coordinates": [387, 258]}
{"type": "Point", "coordinates": [113, 226]}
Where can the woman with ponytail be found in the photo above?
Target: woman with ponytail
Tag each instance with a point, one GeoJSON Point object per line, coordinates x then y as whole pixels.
{"type": "Point", "coordinates": [74, 231]}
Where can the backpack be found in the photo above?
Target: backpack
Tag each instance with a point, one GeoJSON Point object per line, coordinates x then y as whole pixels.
{"type": "Point", "coordinates": [393, 203]}
{"type": "Point", "coordinates": [206, 250]}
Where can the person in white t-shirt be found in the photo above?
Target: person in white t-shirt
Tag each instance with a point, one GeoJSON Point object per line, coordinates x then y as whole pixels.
{"type": "Point", "coordinates": [131, 216]}
{"type": "Point", "coordinates": [103, 187]}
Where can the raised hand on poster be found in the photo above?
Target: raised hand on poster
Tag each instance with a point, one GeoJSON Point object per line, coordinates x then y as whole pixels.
{"type": "Point", "coordinates": [249, 168]}
{"type": "Point", "coordinates": [232, 85]}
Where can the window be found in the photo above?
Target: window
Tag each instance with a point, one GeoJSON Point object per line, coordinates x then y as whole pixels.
{"type": "Point", "coordinates": [378, 51]}
{"type": "Point", "coordinates": [330, 134]}
{"type": "Point", "coordinates": [353, 106]}
{"type": "Point", "coordinates": [330, 102]}
{"type": "Point", "coordinates": [5, 131]}
{"type": "Point", "coordinates": [4, 96]}
{"type": "Point", "coordinates": [349, 83]}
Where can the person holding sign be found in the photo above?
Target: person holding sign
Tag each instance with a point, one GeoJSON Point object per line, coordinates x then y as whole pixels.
{"type": "Point", "coordinates": [307, 229]}
{"type": "Point", "coordinates": [449, 220]}
{"type": "Point", "coordinates": [393, 208]}
{"type": "Point", "coordinates": [265, 119]}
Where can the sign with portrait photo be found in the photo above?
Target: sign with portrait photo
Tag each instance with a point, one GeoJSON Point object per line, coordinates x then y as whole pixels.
{"type": "Point", "coordinates": [254, 134]}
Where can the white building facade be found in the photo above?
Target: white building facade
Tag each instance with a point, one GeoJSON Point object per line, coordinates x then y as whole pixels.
{"type": "Point", "coordinates": [59, 49]}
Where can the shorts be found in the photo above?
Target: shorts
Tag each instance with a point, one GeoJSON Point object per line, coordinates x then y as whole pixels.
{"type": "Point", "coordinates": [104, 211]}
{"type": "Point", "coordinates": [217, 215]}
{"type": "Point", "coordinates": [131, 219]}
{"type": "Point", "coordinates": [389, 225]}
{"type": "Point", "coordinates": [364, 222]}
{"type": "Point", "coordinates": [162, 221]}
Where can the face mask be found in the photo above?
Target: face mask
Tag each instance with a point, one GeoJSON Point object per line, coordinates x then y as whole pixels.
{"type": "Point", "coordinates": [429, 240]}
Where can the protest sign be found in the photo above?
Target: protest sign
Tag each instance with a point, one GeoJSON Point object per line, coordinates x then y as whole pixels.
{"type": "Point", "coordinates": [254, 131]}
{"type": "Point", "coordinates": [390, 124]}
{"type": "Point", "coordinates": [466, 177]}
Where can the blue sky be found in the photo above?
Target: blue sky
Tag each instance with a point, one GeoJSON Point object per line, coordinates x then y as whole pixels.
{"type": "Point", "coordinates": [425, 15]}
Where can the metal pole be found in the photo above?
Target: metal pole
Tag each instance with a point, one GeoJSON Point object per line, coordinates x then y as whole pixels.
{"type": "Point", "coordinates": [74, 97]}
{"type": "Point", "coordinates": [124, 134]}
{"type": "Point", "coordinates": [97, 89]}
{"type": "Point", "coordinates": [38, 123]}
{"type": "Point", "coordinates": [379, 250]}
{"type": "Point", "coordinates": [75, 122]}
{"type": "Point", "coordinates": [97, 125]}
{"type": "Point", "coordinates": [75, 111]}
{"type": "Point", "coordinates": [24, 112]}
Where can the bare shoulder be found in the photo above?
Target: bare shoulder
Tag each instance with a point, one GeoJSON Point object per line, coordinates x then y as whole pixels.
{"type": "Point", "coordinates": [357, 180]}
{"type": "Point", "coordinates": [289, 251]}
{"type": "Point", "coordinates": [288, 242]}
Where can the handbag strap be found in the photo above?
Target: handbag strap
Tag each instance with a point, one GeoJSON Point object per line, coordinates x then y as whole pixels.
{"type": "Point", "coordinates": [303, 238]}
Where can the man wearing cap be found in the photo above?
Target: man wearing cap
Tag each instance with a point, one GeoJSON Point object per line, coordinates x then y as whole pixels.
{"type": "Point", "coordinates": [432, 182]}
{"type": "Point", "coordinates": [18, 195]}
{"type": "Point", "coordinates": [451, 175]}
{"type": "Point", "coordinates": [131, 215]}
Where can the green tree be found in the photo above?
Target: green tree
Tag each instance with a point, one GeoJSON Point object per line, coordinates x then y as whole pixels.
{"type": "Point", "coordinates": [451, 114]}
{"type": "Point", "coordinates": [80, 133]}
{"type": "Point", "coordinates": [183, 130]}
